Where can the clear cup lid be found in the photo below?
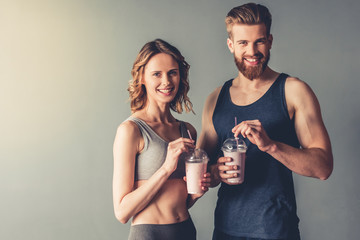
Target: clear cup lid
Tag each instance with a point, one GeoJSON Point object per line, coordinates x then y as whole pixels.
{"type": "Point", "coordinates": [197, 155]}
{"type": "Point", "coordinates": [233, 145]}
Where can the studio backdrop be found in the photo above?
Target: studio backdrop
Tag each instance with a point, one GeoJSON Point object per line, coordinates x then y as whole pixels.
{"type": "Point", "coordinates": [64, 70]}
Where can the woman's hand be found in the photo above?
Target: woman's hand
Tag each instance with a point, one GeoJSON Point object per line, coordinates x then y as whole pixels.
{"type": "Point", "coordinates": [205, 184]}
{"type": "Point", "coordinates": [175, 148]}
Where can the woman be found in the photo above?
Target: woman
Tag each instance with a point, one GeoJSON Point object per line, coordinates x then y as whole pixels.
{"type": "Point", "coordinates": [148, 182]}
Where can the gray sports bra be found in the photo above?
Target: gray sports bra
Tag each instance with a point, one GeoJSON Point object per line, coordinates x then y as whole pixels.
{"type": "Point", "coordinates": [151, 158]}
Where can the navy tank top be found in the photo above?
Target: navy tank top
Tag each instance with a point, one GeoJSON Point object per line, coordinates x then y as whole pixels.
{"type": "Point", "coordinates": [264, 205]}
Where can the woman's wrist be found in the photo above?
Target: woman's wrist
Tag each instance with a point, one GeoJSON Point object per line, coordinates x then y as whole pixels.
{"type": "Point", "coordinates": [166, 172]}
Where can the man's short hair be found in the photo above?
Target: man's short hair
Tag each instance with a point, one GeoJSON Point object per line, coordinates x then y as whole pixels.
{"type": "Point", "coordinates": [250, 13]}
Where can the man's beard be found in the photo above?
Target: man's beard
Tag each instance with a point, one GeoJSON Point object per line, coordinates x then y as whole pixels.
{"type": "Point", "coordinates": [252, 72]}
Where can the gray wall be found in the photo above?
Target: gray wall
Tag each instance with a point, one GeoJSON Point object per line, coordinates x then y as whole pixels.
{"type": "Point", "coordinates": [64, 68]}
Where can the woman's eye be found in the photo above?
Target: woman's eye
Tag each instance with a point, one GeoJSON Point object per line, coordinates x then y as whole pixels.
{"type": "Point", "coordinates": [172, 73]}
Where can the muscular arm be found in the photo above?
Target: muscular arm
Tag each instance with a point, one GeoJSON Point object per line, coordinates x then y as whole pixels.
{"type": "Point", "coordinates": [127, 200]}
{"type": "Point", "coordinates": [314, 159]}
{"type": "Point", "coordinates": [208, 137]}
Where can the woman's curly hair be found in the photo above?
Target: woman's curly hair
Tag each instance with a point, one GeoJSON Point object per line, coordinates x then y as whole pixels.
{"type": "Point", "coordinates": [137, 91]}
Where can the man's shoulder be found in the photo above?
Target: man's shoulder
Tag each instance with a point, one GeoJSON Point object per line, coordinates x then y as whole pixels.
{"type": "Point", "coordinates": [293, 79]}
{"type": "Point", "coordinates": [296, 85]}
{"type": "Point", "coordinates": [212, 98]}
{"type": "Point", "coordinates": [298, 93]}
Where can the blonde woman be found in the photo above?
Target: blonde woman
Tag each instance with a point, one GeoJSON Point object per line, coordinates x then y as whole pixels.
{"type": "Point", "coordinates": [148, 184]}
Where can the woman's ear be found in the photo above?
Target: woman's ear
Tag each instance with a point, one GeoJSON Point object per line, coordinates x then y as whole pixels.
{"type": "Point", "coordinates": [141, 79]}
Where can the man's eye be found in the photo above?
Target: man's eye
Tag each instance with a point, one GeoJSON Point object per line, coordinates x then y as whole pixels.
{"type": "Point", "coordinates": [156, 74]}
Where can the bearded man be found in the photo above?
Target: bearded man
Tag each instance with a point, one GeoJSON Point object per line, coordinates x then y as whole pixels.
{"type": "Point", "coordinates": [279, 117]}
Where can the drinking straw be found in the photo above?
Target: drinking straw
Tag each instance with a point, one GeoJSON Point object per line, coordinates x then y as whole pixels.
{"type": "Point", "coordinates": [189, 134]}
{"type": "Point", "coordinates": [237, 142]}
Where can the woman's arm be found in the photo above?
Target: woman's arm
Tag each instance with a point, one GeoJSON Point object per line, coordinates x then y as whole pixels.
{"type": "Point", "coordinates": [127, 200]}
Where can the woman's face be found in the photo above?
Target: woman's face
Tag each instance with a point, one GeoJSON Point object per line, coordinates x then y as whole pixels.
{"type": "Point", "coordinates": [161, 78]}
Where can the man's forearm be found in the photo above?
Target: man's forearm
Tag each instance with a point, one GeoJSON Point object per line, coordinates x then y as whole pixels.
{"type": "Point", "coordinates": [215, 178]}
{"type": "Point", "coordinates": [310, 162]}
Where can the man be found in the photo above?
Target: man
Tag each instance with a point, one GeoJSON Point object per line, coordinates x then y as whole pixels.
{"type": "Point", "coordinates": [279, 117]}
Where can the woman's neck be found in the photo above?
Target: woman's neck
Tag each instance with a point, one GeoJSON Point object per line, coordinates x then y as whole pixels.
{"type": "Point", "coordinates": [155, 114]}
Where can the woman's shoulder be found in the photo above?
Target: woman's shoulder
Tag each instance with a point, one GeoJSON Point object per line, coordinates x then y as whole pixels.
{"type": "Point", "coordinates": [129, 129]}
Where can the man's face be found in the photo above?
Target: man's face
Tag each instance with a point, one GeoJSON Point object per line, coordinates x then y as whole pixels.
{"type": "Point", "coordinates": [251, 48]}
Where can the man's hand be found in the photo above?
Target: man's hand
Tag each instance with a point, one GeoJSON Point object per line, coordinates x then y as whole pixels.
{"type": "Point", "coordinates": [222, 170]}
{"type": "Point", "coordinates": [254, 131]}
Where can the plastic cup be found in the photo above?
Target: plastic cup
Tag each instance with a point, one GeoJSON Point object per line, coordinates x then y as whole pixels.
{"type": "Point", "coordinates": [195, 164]}
{"type": "Point", "coordinates": [236, 149]}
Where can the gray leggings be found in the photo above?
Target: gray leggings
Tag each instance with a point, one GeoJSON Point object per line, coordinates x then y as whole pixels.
{"type": "Point", "coordinates": [177, 231]}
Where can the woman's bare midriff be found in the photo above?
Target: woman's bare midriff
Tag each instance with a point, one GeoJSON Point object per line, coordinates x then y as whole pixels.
{"type": "Point", "coordinates": [168, 206]}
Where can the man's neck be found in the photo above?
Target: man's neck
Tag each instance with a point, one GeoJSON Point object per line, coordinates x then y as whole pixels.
{"type": "Point", "coordinates": [266, 76]}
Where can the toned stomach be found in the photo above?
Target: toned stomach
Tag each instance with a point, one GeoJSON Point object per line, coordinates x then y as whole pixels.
{"type": "Point", "coordinates": [168, 206]}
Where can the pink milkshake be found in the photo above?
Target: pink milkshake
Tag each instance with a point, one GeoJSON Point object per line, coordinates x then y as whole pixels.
{"type": "Point", "coordinates": [196, 164]}
{"type": "Point", "coordinates": [236, 149]}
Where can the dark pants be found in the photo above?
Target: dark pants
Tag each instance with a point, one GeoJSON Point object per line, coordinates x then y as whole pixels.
{"type": "Point", "coordinates": [218, 235]}
{"type": "Point", "coordinates": [176, 231]}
